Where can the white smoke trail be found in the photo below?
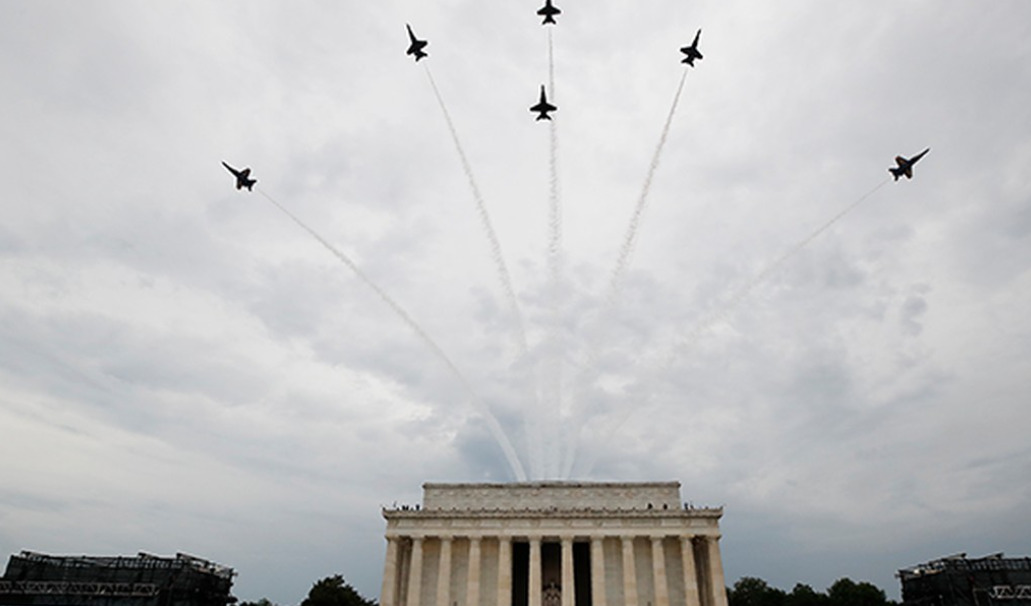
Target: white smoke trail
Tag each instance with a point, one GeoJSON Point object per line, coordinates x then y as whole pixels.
{"type": "Point", "coordinates": [630, 238]}
{"type": "Point", "coordinates": [492, 422]}
{"type": "Point", "coordinates": [551, 414]}
{"type": "Point", "coordinates": [622, 262]}
{"type": "Point", "coordinates": [555, 202]}
{"type": "Point", "coordinates": [481, 209]}
{"type": "Point", "coordinates": [724, 311]}
{"type": "Point", "coordinates": [495, 249]}
{"type": "Point", "coordinates": [551, 62]}
{"type": "Point", "coordinates": [745, 290]}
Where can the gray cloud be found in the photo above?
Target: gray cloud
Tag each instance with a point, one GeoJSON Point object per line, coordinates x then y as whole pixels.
{"type": "Point", "coordinates": [181, 357]}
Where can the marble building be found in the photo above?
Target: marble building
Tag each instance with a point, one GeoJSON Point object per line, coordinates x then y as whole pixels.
{"type": "Point", "coordinates": [553, 544]}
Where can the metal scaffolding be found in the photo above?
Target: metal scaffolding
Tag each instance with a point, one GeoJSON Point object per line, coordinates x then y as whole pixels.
{"type": "Point", "coordinates": [958, 581]}
{"type": "Point", "coordinates": [143, 580]}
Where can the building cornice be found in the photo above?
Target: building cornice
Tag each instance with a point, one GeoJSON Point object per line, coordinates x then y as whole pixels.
{"type": "Point", "coordinates": [589, 513]}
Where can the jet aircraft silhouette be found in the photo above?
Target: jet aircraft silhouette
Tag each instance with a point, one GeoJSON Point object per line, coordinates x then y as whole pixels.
{"type": "Point", "coordinates": [543, 107]}
{"type": "Point", "coordinates": [415, 48]}
{"type": "Point", "coordinates": [692, 51]}
{"type": "Point", "coordinates": [905, 166]}
{"type": "Point", "coordinates": [548, 12]}
{"type": "Point", "coordinates": [243, 177]}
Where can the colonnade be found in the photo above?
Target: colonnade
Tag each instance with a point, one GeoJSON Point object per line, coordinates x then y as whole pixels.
{"type": "Point", "coordinates": [697, 581]}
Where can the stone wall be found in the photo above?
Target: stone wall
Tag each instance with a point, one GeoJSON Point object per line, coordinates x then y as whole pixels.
{"type": "Point", "coordinates": [551, 495]}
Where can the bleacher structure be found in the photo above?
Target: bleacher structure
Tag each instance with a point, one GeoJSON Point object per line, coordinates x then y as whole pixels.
{"type": "Point", "coordinates": [959, 581]}
{"type": "Point", "coordinates": [33, 579]}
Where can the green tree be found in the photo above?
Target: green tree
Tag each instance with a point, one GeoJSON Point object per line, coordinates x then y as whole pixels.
{"type": "Point", "coordinates": [752, 591]}
{"type": "Point", "coordinates": [261, 602]}
{"type": "Point", "coordinates": [846, 592]}
{"type": "Point", "coordinates": [334, 591]}
{"type": "Point", "coordinates": [804, 595]}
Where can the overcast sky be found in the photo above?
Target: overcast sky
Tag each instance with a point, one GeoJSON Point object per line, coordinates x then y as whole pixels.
{"type": "Point", "coordinates": [184, 368]}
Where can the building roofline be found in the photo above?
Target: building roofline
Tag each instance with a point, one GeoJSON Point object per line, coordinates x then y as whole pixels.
{"type": "Point", "coordinates": [699, 512]}
{"type": "Point", "coordinates": [550, 484]}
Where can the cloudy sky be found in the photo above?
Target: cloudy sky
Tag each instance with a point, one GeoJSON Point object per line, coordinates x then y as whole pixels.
{"type": "Point", "coordinates": [751, 308]}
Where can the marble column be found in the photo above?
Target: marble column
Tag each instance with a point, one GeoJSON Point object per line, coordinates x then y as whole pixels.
{"type": "Point", "coordinates": [534, 582]}
{"type": "Point", "coordinates": [472, 592]}
{"type": "Point", "coordinates": [444, 573]}
{"type": "Point", "coordinates": [659, 571]}
{"type": "Point", "coordinates": [404, 569]}
{"type": "Point", "coordinates": [690, 572]}
{"type": "Point", "coordinates": [568, 584]}
{"type": "Point", "coordinates": [716, 584]}
{"type": "Point", "coordinates": [388, 594]}
{"type": "Point", "coordinates": [629, 573]}
{"type": "Point", "coordinates": [415, 573]}
{"type": "Point", "coordinates": [598, 571]}
{"type": "Point", "coordinates": [504, 572]}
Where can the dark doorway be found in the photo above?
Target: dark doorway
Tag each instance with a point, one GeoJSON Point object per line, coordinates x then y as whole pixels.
{"type": "Point", "coordinates": [551, 557]}
{"type": "Point", "coordinates": [520, 573]}
{"type": "Point", "coordinates": [582, 573]}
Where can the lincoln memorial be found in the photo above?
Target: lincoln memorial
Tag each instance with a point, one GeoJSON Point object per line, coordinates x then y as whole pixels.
{"type": "Point", "coordinates": [553, 544]}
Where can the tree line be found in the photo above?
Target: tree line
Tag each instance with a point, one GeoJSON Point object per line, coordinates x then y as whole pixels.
{"type": "Point", "coordinates": [752, 591]}
{"type": "Point", "coordinates": [330, 591]}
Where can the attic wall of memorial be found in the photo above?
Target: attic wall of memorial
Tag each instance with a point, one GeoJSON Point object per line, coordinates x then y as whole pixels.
{"type": "Point", "coordinates": [546, 495]}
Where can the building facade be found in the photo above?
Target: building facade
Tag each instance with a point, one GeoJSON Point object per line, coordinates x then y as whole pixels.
{"type": "Point", "coordinates": [961, 581]}
{"type": "Point", "coordinates": [553, 544]}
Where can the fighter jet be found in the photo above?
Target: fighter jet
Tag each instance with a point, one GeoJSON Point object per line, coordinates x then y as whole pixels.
{"type": "Point", "coordinates": [905, 167]}
{"type": "Point", "coordinates": [243, 177]}
{"type": "Point", "coordinates": [543, 107]}
{"type": "Point", "coordinates": [415, 48]}
{"type": "Point", "coordinates": [692, 51]}
{"type": "Point", "coordinates": [548, 12]}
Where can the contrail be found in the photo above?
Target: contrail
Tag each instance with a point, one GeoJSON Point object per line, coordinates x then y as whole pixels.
{"type": "Point", "coordinates": [551, 61]}
{"type": "Point", "coordinates": [492, 422]}
{"type": "Point", "coordinates": [623, 259]}
{"type": "Point", "coordinates": [552, 410]}
{"type": "Point", "coordinates": [725, 309]}
{"type": "Point", "coordinates": [745, 290]}
{"type": "Point", "coordinates": [495, 245]}
{"type": "Point", "coordinates": [555, 202]}
{"type": "Point", "coordinates": [631, 233]}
